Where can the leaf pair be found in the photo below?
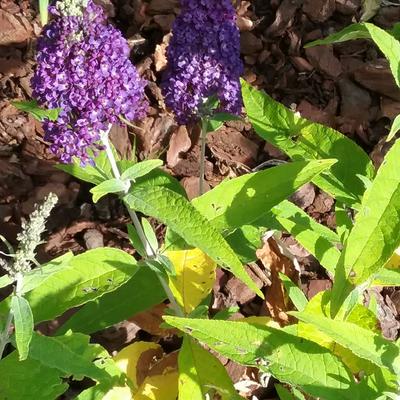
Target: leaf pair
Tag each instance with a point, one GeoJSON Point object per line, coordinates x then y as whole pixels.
{"type": "Point", "coordinates": [387, 43]}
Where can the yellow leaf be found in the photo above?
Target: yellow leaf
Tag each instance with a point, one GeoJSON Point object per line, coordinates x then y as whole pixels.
{"type": "Point", "coordinates": [159, 387]}
{"type": "Point", "coordinates": [394, 261]}
{"type": "Point", "coordinates": [195, 277]}
{"type": "Point", "coordinates": [135, 360]}
{"type": "Point", "coordinates": [119, 393]}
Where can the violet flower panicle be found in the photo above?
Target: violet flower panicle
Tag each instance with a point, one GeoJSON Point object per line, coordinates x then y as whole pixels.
{"type": "Point", "coordinates": [84, 69]}
{"type": "Point", "coordinates": [203, 60]}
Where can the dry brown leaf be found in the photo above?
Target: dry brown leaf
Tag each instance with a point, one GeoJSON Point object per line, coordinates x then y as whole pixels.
{"type": "Point", "coordinates": [160, 55]}
{"type": "Point", "coordinates": [151, 320]}
{"type": "Point", "coordinates": [276, 300]}
{"type": "Point", "coordinates": [180, 143]}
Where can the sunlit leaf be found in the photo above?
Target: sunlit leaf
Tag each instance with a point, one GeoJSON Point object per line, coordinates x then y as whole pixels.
{"type": "Point", "coordinates": [194, 277]}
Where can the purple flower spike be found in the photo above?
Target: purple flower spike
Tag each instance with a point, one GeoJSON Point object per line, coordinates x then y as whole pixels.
{"type": "Point", "coordinates": [203, 60]}
{"type": "Point", "coordinates": [84, 69]}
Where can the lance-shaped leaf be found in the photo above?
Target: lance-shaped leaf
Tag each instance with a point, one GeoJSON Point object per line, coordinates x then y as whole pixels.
{"type": "Point", "coordinates": [394, 128]}
{"type": "Point", "coordinates": [257, 192]}
{"type": "Point", "coordinates": [386, 42]}
{"type": "Point", "coordinates": [200, 372]}
{"type": "Point", "coordinates": [362, 342]}
{"type": "Point", "coordinates": [29, 379]}
{"type": "Point", "coordinates": [70, 354]}
{"type": "Point", "coordinates": [319, 240]}
{"type": "Point", "coordinates": [107, 187]}
{"type": "Point", "coordinates": [289, 358]}
{"type": "Point", "coordinates": [180, 215]}
{"type": "Point", "coordinates": [140, 169]}
{"type": "Point", "coordinates": [194, 277]}
{"type": "Point", "coordinates": [23, 322]}
{"type": "Point", "coordinates": [300, 138]}
{"type": "Point", "coordinates": [140, 293]}
{"type": "Point", "coordinates": [32, 107]}
{"type": "Point", "coordinates": [376, 232]}
{"type": "Point", "coordinates": [84, 278]}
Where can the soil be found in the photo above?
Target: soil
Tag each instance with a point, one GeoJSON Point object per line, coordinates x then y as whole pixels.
{"type": "Point", "coordinates": [348, 87]}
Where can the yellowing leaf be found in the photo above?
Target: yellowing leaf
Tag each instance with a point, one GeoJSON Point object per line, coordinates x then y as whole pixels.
{"type": "Point", "coordinates": [394, 261]}
{"type": "Point", "coordinates": [264, 321]}
{"type": "Point", "coordinates": [119, 393]}
{"type": "Point", "coordinates": [159, 387]}
{"type": "Point", "coordinates": [360, 316]}
{"type": "Point", "coordinates": [195, 277]}
{"type": "Point", "coordinates": [134, 360]}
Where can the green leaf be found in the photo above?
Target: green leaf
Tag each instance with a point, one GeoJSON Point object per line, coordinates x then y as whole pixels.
{"type": "Point", "coordinates": [32, 107]}
{"type": "Point", "coordinates": [29, 379]}
{"type": "Point", "coordinates": [287, 217]}
{"type": "Point", "coordinates": [86, 277]}
{"type": "Point", "coordinates": [38, 275]}
{"type": "Point", "coordinates": [179, 215]}
{"type": "Point", "coordinates": [23, 323]}
{"type": "Point", "coordinates": [285, 394]}
{"type": "Point", "coordinates": [359, 315]}
{"type": "Point", "coordinates": [86, 173]}
{"type": "Point", "coordinates": [386, 42]}
{"type": "Point", "coordinates": [245, 241]}
{"type": "Point", "coordinates": [107, 187]}
{"type": "Point", "coordinates": [71, 354]}
{"type": "Point", "coordinates": [158, 177]}
{"type": "Point", "coordinates": [117, 379]}
{"type": "Point", "coordinates": [362, 342]}
{"type": "Point", "coordinates": [135, 240]}
{"type": "Point", "coordinates": [351, 32]}
{"type": "Point", "coordinates": [140, 293]}
{"type": "Point", "coordinates": [290, 359]}
{"type": "Point", "coordinates": [140, 169]}
{"type": "Point", "coordinates": [344, 224]}
{"type": "Point", "coordinates": [319, 240]}
{"type": "Point", "coordinates": [376, 232]}
{"type": "Point", "coordinates": [217, 120]}
{"type": "Point", "coordinates": [5, 281]}
{"type": "Point", "coordinates": [259, 191]}
{"type": "Point", "coordinates": [394, 129]}
{"type": "Point", "coordinates": [294, 292]}
{"type": "Point", "coordinates": [389, 46]}
{"type": "Point", "coordinates": [387, 277]}
{"type": "Point", "coordinates": [150, 234]}
{"type": "Point", "coordinates": [300, 138]}
{"type": "Point", "coordinates": [200, 372]}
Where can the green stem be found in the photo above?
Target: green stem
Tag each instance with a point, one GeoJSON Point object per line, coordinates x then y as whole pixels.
{"type": "Point", "coordinates": [203, 139]}
{"type": "Point", "coordinates": [150, 252]}
{"type": "Point", "coordinates": [44, 12]}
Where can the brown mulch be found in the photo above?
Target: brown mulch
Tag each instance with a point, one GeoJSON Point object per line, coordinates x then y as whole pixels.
{"type": "Point", "coordinates": [348, 87]}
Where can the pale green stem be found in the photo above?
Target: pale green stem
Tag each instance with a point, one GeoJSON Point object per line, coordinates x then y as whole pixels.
{"type": "Point", "coordinates": [203, 139]}
{"type": "Point", "coordinates": [138, 226]}
{"type": "Point", "coordinates": [44, 12]}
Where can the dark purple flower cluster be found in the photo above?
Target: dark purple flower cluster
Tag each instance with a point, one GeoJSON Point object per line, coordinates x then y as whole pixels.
{"type": "Point", "coordinates": [203, 60]}
{"type": "Point", "coordinates": [84, 69]}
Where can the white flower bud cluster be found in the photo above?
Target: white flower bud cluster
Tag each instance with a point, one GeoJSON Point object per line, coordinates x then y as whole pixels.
{"type": "Point", "coordinates": [30, 237]}
{"type": "Point", "coordinates": [71, 8]}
